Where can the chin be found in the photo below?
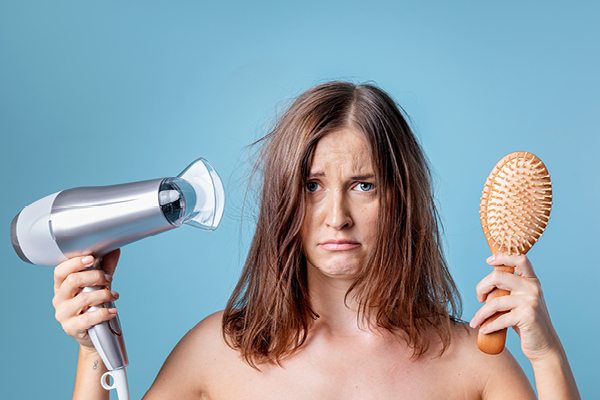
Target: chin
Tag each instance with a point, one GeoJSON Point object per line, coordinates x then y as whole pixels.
{"type": "Point", "coordinates": [338, 270]}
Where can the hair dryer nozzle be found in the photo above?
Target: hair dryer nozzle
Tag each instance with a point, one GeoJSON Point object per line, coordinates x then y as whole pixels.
{"type": "Point", "coordinates": [196, 197]}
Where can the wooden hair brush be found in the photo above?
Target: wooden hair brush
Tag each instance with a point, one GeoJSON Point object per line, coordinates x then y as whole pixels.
{"type": "Point", "coordinates": [515, 209]}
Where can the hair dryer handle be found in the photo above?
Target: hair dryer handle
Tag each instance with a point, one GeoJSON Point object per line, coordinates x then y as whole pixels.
{"type": "Point", "coordinates": [108, 339]}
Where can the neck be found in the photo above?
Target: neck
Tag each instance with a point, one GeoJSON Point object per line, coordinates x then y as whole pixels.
{"type": "Point", "coordinates": [337, 313]}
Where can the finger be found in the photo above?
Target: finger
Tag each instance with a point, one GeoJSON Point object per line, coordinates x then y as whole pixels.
{"type": "Point", "coordinates": [521, 263]}
{"type": "Point", "coordinates": [82, 302]}
{"type": "Point", "coordinates": [75, 282]}
{"type": "Point", "coordinates": [70, 266]}
{"type": "Point", "coordinates": [506, 320]}
{"type": "Point", "coordinates": [515, 284]}
{"type": "Point", "coordinates": [494, 306]}
{"type": "Point", "coordinates": [109, 261]}
{"type": "Point", "coordinates": [496, 279]}
{"type": "Point", "coordinates": [77, 327]}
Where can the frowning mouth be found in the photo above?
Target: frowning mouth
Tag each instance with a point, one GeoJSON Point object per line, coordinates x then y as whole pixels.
{"type": "Point", "coordinates": [339, 245]}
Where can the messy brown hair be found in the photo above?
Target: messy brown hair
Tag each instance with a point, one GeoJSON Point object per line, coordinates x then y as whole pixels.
{"type": "Point", "coordinates": [404, 287]}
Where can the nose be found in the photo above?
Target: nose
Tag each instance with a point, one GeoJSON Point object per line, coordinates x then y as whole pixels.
{"type": "Point", "coordinates": [338, 212]}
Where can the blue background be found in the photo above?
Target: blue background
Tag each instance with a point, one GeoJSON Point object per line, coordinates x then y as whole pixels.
{"type": "Point", "coordinates": [105, 92]}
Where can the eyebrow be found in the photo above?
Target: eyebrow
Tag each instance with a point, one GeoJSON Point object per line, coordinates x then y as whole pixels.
{"type": "Point", "coordinates": [354, 177]}
{"type": "Point", "coordinates": [362, 177]}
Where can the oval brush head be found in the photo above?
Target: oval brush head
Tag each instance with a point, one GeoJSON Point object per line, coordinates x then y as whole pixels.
{"type": "Point", "coordinates": [515, 209]}
{"type": "Point", "coordinates": [515, 203]}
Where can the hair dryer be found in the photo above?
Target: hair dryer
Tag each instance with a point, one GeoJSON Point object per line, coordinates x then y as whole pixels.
{"type": "Point", "coordinates": [96, 220]}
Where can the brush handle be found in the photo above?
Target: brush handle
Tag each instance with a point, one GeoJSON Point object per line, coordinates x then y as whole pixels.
{"type": "Point", "coordinates": [493, 343]}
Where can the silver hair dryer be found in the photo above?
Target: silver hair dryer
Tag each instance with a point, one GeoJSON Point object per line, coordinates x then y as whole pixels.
{"type": "Point", "coordinates": [96, 220]}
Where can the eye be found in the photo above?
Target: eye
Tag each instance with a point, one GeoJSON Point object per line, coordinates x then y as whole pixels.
{"type": "Point", "coordinates": [365, 187]}
{"type": "Point", "coordinates": [312, 186]}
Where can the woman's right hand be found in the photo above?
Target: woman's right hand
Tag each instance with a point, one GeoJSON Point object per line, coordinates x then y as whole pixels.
{"type": "Point", "coordinates": [71, 304]}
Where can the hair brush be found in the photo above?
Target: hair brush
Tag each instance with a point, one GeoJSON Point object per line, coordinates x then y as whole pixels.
{"type": "Point", "coordinates": [515, 209]}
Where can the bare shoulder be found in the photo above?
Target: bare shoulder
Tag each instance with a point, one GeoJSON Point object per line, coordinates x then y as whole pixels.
{"type": "Point", "coordinates": [190, 367]}
{"type": "Point", "coordinates": [497, 376]}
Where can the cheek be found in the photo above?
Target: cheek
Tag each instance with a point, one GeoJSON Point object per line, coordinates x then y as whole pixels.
{"type": "Point", "coordinates": [369, 221]}
{"type": "Point", "coordinates": [314, 215]}
{"type": "Point", "coordinates": [308, 225]}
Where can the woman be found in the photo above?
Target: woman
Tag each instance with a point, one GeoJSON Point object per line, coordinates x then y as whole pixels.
{"type": "Point", "coordinates": [345, 292]}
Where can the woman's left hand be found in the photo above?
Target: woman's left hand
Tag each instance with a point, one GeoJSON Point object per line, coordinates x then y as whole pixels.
{"type": "Point", "coordinates": [527, 312]}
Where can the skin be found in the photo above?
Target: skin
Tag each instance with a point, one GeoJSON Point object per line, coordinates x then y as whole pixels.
{"type": "Point", "coordinates": [340, 358]}
{"type": "Point", "coordinates": [341, 208]}
{"type": "Point", "coordinates": [70, 304]}
{"type": "Point", "coordinates": [529, 317]}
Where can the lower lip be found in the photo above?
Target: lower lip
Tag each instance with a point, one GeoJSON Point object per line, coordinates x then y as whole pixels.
{"type": "Point", "coordinates": [339, 246]}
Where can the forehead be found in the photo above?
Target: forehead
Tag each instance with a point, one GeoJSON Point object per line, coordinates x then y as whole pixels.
{"type": "Point", "coordinates": [345, 149]}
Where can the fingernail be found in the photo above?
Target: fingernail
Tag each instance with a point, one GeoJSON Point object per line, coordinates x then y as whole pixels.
{"type": "Point", "coordinates": [87, 260]}
{"type": "Point", "coordinates": [114, 294]}
{"type": "Point", "coordinates": [112, 310]}
{"type": "Point", "coordinates": [108, 277]}
{"type": "Point", "coordinates": [491, 259]}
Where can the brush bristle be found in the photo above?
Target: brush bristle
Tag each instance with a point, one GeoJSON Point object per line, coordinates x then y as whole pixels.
{"type": "Point", "coordinates": [515, 203]}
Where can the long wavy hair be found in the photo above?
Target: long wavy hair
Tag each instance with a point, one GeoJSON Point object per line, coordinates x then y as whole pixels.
{"type": "Point", "coordinates": [404, 287]}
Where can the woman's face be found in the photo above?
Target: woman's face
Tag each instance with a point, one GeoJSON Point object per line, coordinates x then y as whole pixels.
{"type": "Point", "coordinates": [342, 204]}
